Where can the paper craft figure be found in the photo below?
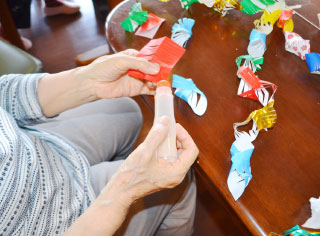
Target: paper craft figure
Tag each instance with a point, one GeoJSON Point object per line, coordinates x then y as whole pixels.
{"type": "Point", "coordinates": [254, 63]}
{"type": "Point", "coordinates": [257, 45]}
{"type": "Point", "coordinates": [182, 32]}
{"type": "Point", "coordinates": [251, 7]}
{"type": "Point", "coordinates": [187, 3]}
{"type": "Point", "coordinates": [208, 3]}
{"type": "Point", "coordinates": [314, 221]}
{"type": "Point", "coordinates": [240, 172]}
{"type": "Point", "coordinates": [162, 51]}
{"type": "Point", "coordinates": [150, 27]}
{"type": "Point", "coordinates": [266, 21]}
{"type": "Point", "coordinates": [313, 61]}
{"type": "Point", "coordinates": [285, 21]}
{"type": "Point", "coordinates": [296, 44]}
{"type": "Point", "coordinates": [136, 17]}
{"type": "Point", "coordinates": [253, 88]}
{"type": "Point", "coordinates": [188, 91]}
{"type": "Point", "coordinates": [296, 231]}
{"type": "Point", "coordinates": [223, 6]}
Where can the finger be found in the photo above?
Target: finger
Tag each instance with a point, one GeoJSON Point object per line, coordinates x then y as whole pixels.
{"type": "Point", "coordinates": [147, 91]}
{"type": "Point", "coordinates": [151, 84]}
{"type": "Point", "coordinates": [189, 150]}
{"type": "Point", "coordinates": [130, 52]}
{"type": "Point", "coordinates": [126, 62]}
{"type": "Point", "coordinates": [157, 134]}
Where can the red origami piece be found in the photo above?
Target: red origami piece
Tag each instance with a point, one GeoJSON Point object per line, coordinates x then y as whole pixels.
{"type": "Point", "coordinates": [162, 51]}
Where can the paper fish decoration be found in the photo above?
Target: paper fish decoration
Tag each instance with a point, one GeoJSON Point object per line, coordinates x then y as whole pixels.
{"type": "Point", "coordinates": [182, 32]}
{"type": "Point", "coordinates": [187, 3]}
{"type": "Point", "coordinates": [296, 44]}
{"type": "Point", "coordinates": [136, 17]}
{"type": "Point", "coordinates": [296, 231]}
{"type": "Point", "coordinates": [162, 51]}
{"type": "Point", "coordinates": [253, 88]}
{"type": "Point", "coordinates": [188, 91]}
{"type": "Point", "coordinates": [313, 61]}
{"type": "Point", "coordinates": [254, 63]}
{"type": "Point", "coordinates": [251, 7]}
{"type": "Point", "coordinates": [314, 221]}
{"type": "Point", "coordinates": [223, 6]}
{"type": "Point", "coordinates": [285, 21]}
{"type": "Point", "coordinates": [257, 45]}
{"type": "Point", "coordinates": [150, 27]}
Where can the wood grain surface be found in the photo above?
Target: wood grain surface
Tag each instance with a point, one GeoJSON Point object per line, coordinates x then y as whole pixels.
{"type": "Point", "coordinates": [286, 160]}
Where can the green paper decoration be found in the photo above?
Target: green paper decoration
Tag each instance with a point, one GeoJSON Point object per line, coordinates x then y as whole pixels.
{"type": "Point", "coordinates": [187, 3]}
{"type": "Point", "coordinates": [250, 8]}
{"type": "Point", "coordinates": [136, 16]}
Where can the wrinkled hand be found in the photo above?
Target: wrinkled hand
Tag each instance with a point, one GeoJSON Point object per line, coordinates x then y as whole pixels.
{"type": "Point", "coordinates": [143, 173]}
{"type": "Point", "coordinates": [109, 77]}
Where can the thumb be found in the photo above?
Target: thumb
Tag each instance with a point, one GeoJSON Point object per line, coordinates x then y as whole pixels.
{"type": "Point", "coordinates": [126, 62]}
{"type": "Point", "coordinates": [157, 134]}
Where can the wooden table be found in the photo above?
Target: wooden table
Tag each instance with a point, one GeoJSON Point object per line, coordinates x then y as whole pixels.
{"type": "Point", "coordinates": [286, 160]}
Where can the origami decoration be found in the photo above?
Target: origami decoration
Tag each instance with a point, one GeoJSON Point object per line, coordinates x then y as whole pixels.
{"type": "Point", "coordinates": [253, 88]}
{"type": "Point", "coordinates": [162, 51]}
{"type": "Point", "coordinates": [257, 45]}
{"type": "Point", "coordinates": [251, 7]}
{"type": "Point", "coordinates": [313, 61]}
{"type": "Point", "coordinates": [136, 17]}
{"type": "Point", "coordinates": [296, 44]}
{"type": "Point", "coordinates": [208, 3]}
{"type": "Point", "coordinates": [254, 63]}
{"type": "Point", "coordinates": [266, 21]}
{"type": "Point", "coordinates": [150, 27]}
{"type": "Point", "coordinates": [314, 221]}
{"type": "Point", "coordinates": [182, 32]}
{"type": "Point", "coordinates": [296, 231]}
{"type": "Point", "coordinates": [188, 91]}
{"type": "Point", "coordinates": [285, 21]}
{"type": "Point", "coordinates": [187, 3]}
{"type": "Point", "coordinates": [222, 6]}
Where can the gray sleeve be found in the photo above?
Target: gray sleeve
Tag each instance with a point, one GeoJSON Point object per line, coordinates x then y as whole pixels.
{"type": "Point", "coordinates": [18, 96]}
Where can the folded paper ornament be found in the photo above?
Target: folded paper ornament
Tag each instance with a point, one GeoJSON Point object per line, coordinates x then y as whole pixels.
{"type": "Point", "coordinates": [296, 44]}
{"type": "Point", "coordinates": [136, 17]}
{"type": "Point", "coordinates": [223, 6]}
{"type": "Point", "coordinates": [208, 3]}
{"type": "Point", "coordinates": [285, 21]}
{"type": "Point", "coordinates": [187, 3]}
{"type": "Point", "coordinates": [251, 7]}
{"type": "Point", "coordinates": [150, 27]}
{"type": "Point", "coordinates": [313, 62]}
{"type": "Point", "coordinates": [182, 32]}
{"type": "Point", "coordinates": [314, 221]}
{"type": "Point", "coordinates": [162, 51]}
{"type": "Point", "coordinates": [257, 45]}
{"type": "Point", "coordinates": [296, 231]}
{"type": "Point", "coordinates": [254, 63]}
{"type": "Point", "coordinates": [188, 91]}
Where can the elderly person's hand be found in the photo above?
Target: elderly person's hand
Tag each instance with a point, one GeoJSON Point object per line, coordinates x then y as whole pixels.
{"type": "Point", "coordinates": [109, 77]}
{"type": "Point", "coordinates": [106, 77]}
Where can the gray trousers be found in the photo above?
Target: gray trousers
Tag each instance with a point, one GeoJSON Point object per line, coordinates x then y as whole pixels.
{"type": "Point", "coordinates": [105, 131]}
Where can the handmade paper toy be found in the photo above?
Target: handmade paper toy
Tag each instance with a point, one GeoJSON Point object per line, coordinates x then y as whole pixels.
{"type": "Point", "coordinates": [314, 221]}
{"type": "Point", "coordinates": [223, 6]}
{"type": "Point", "coordinates": [296, 231]}
{"type": "Point", "coordinates": [254, 63]}
{"type": "Point", "coordinates": [240, 172]}
{"type": "Point", "coordinates": [208, 3]}
{"type": "Point", "coordinates": [285, 21]}
{"type": "Point", "coordinates": [150, 27]}
{"type": "Point", "coordinates": [296, 44]}
{"type": "Point", "coordinates": [188, 91]}
{"type": "Point", "coordinates": [182, 32]}
{"type": "Point", "coordinates": [257, 45]}
{"type": "Point", "coordinates": [251, 7]}
{"type": "Point", "coordinates": [253, 88]}
{"type": "Point", "coordinates": [266, 21]}
{"type": "Point", "coordinates": [162, 51]}
{"type": "Point", "coordinates": [136, 17]}
{"type": "Point", "coordinates": [313, 61]}
{"type": "Point", "coordinates": [242, 148]}
{"type": "Point", "coordinates": [187, 3]}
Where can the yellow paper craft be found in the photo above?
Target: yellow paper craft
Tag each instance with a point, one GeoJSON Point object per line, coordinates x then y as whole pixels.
{"type": "Point", "coordinates": [268, 18]}
{"type": "Point", "coordinates": [222, 6]}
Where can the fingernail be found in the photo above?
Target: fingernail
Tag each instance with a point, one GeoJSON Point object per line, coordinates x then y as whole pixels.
{"type": "Point", "coordinates": [163, 121]}
{"type": "Point", "coordinates": [154, 68]}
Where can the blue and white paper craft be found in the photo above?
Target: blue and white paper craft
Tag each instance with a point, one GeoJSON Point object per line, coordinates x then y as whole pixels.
{"type": "Point", "coordinates": [188, 91]}
{"type": "Point", "coordinates": [182, 32]}
{"type": "Point", "coordinates": [240, 172]}
{"type": "Point", "coordinates": [313, 61]}
{"type": "Point", "coordinates": [257, 45]}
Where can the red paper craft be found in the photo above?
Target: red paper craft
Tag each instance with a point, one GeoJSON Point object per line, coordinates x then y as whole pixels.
{"type": "Point", "coordinates": [258, 90]}
{"type": "Point", "coordinates": [150, 23]}
{"type": "Point", "coordinates": [162, 51]}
